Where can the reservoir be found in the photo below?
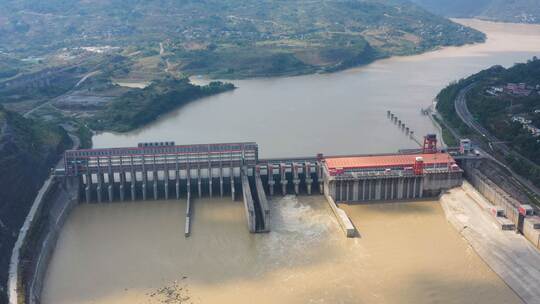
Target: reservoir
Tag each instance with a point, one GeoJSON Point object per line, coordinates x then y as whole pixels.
{"type": "Point", "coordinates": [406, 252]}
{"type": "Point", "coordinates": [339, 113]}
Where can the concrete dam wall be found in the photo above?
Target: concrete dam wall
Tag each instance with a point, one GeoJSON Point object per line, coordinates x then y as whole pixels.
{"type": "Point", "coordinates": [161, 170]}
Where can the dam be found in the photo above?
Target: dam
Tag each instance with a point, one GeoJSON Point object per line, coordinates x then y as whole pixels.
{"type": "Point", "coordinates": [162, 170]}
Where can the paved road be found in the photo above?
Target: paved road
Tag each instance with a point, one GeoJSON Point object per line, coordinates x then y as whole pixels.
{"type": "Point", "coordinates": [463, 112]}
{"type": "Point", "coordinates": [48, 102]}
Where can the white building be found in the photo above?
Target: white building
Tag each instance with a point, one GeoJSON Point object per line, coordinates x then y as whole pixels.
{"type": "Point", "coordinates": [521, 120]}
{"type": "Point", "coordinates": [494, 91]}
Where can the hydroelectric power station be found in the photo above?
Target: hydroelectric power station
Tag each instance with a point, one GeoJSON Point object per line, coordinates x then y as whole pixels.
{"type": "Point", "coordinates": [163, 170]}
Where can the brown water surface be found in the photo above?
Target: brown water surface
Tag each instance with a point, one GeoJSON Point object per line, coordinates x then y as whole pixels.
{"type": "Point", "coordinates": [407, 253]}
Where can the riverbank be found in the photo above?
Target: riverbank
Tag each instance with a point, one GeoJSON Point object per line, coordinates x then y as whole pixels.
{"type": "Point", "coordinates": [509, 254]}
{"type": "Point", "coordinates": [28, 149]}
{"type": "Point", "coordinates": [37, 239]}
{"type": "Point", "coordinates": [38, 233]}
{"type": "Point", "coordinates": [139, 107]}
{"type": "Point", "coordinates": [267, 110]}
{"type": "Point", "coordinates": [454, 115]}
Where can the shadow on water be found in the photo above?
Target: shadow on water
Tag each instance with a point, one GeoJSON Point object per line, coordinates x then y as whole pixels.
{"type": "Point", "coordinates": [401, 207]}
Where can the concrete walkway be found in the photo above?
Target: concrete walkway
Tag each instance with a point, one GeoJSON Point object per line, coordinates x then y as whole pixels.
{"type": "Point", "coordinates": [509, 254]}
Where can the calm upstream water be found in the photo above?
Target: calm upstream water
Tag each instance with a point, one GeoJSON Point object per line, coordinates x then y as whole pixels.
{"type": "Point", "coordinates": [407, 252]}
{"type": "Point", "coordinates": [340, 113]}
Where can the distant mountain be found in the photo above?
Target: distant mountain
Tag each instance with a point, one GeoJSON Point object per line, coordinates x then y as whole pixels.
{"type": "Point", "coordinates": [233, 37]}
{"type": "Point", "coordinates": [522, 11]}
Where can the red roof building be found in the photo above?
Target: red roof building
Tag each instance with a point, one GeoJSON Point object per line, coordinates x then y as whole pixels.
{"type": "Point", "coordinates": [388, 161]}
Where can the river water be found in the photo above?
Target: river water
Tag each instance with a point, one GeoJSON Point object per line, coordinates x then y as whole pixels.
{"type": "Point", "coordinates": [339, 113]}
{"type": "Point", "coordinates": [407, 252]}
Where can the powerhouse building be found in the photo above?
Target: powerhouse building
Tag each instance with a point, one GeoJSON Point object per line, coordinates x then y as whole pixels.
{"type": "Point", "coordinates": [390, 177]}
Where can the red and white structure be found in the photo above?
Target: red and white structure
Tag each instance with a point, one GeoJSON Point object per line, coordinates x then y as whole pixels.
{"type": "Point", "coordinates": [390, 177]}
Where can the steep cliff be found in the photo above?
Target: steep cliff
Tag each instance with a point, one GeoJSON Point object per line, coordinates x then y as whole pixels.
{"type": "Point", "coordinates": [28, 150]}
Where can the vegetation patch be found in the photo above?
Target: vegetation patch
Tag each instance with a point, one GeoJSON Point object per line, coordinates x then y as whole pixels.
{"type": "Point", "coordinates": [232, 38]}
{"type": "Point", "coordinates": [141, 106]}
{"type": "Point", "coordinates": [507, 103]}
{"type": "Point", "coordinates": [28, 149]}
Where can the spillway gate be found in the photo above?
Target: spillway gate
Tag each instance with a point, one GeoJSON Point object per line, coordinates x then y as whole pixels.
{"type": "Point", "coordinates": [191, 171]}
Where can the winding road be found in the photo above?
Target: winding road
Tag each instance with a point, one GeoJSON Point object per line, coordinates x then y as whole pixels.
{"type": "Point", "coordinates": [465, 115]}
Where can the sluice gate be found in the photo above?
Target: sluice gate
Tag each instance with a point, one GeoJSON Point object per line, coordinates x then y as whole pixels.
{"type": "Point", "coordinates": [162, 170]}
{"type": "Point", "coordinates": [153, 172]}
{"type": "Point", "coordinates": [252, 202]}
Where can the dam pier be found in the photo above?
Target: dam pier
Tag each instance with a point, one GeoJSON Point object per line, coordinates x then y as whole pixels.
{"type": "Point", "coordinates": [161, 170]}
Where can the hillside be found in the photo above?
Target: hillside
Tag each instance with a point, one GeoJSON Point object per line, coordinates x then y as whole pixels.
{"type": "Point", "coordinates": [28, 149]}
{"type": "Point", "coordinates": [521, 11]}
{"type": "Point", "coordinates": [507, 103]}
{"type": "Point", "coordinates": [233, 38]}
{"type": "Point", "coordinates": [9, 67]}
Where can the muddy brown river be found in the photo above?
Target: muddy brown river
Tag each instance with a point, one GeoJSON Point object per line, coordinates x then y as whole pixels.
{"type": "Point", "coordinates": [407, 252]}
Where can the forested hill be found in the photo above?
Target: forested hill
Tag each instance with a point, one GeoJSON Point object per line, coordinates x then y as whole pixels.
{"type": "Point", "coordinates": [522, 11]}
{"type": "Point", "coordinates": [507, 103]}
{"type": "Point", "coordinates": [233, 37]}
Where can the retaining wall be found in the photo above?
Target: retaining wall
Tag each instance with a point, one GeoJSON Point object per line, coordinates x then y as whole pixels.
{"type": "Point", "coordinates": [532, 234]}
{"type": "Point", "coordinates": [342, 217]}
{"type": "Point", "coordinates": [13, 278]}
{"type": "Point", "coordinates": [500, 198]}
{"type": "Point", "coordinates": [38, 239]}
{"type": "Point", "coordinates": [494, 194]}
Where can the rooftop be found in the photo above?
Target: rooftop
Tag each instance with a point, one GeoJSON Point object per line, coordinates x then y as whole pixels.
{"type": "Point", "coordinates": [386, 161]}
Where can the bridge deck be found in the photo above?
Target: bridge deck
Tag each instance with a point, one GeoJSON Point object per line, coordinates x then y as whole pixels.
{"type": "Point", "coordinates": [79, 162]}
